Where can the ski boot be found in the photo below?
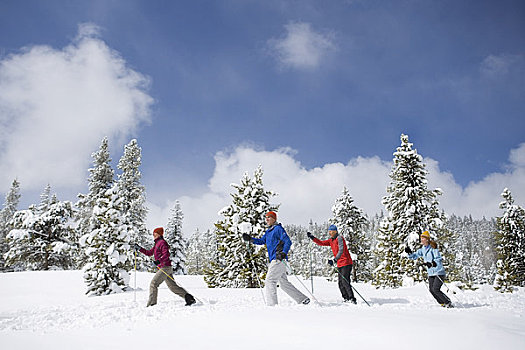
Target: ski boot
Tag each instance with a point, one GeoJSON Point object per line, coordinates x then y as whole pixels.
{"type": "Point", "coordinates": [190, 300]}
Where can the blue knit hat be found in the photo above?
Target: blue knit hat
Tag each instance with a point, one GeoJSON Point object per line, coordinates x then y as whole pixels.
{"type": "Point", "coordinates": [332, 228]}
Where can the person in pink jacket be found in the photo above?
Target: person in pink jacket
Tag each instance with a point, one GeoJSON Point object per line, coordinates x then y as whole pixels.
{"type": "Point", "coordinates": [343, 260]}
{"type": "Point", "coordinates": [161, 253]}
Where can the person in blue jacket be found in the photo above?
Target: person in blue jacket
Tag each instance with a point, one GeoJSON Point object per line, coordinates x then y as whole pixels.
{"type": "Point", "coordinates": [278, 244]}
{"type": "Point", "coordinates": [435, 270]}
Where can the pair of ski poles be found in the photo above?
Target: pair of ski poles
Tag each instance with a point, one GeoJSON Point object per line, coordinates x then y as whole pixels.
{"type": "Point", "coordinates": [286, 265]}
{"type": "Point", "coordinates": [313, 296]}
{"type": "Point", "coordinates": [256, 272]}
{"type": "Point", "coordinates": [288, 268]}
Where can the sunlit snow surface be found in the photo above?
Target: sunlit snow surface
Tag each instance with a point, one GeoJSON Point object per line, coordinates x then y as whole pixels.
{"type": "Point", "coordinates": [48, 310]}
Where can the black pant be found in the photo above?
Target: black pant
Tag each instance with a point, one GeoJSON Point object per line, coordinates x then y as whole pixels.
{"type": "Point", "coordinates": [344, 283]}
{"type": "Point", "coordinates": [434, 285]}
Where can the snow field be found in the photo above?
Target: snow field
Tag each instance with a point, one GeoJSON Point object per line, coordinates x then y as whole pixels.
{"type": "Point", "coordinates": [49, 310]}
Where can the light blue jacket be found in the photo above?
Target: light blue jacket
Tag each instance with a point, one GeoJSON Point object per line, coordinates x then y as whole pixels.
{"type": "Point", "coordinates": [276, 239]}
{"type": "Point", "coordinates": [430, 254]}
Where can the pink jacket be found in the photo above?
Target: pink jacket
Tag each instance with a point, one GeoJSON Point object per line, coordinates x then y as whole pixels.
{"type": "Point", "coordinates": [160, 252]}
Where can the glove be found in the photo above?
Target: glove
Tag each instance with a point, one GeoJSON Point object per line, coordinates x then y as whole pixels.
{"type": "Point", "coordinates": [137, 247]}
{"type": "Point", "coordinates": [309, 235]}
{"type": "Point", "coordinates": [246, 237]}
{"type": "Point", "coordinates": [280, 256]}
{"type": "Point", "coordinates": [431, 264]}
{"type": "Point", "coordinates": [156, 262]}
{"type": "Point", "coordinates": [330, 262]}
{"type": "Point", "coordinates": [408, 250]}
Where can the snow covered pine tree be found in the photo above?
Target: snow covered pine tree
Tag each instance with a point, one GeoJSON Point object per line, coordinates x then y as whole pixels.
{"type": "Point", "coordinates": [351, 224]}
{"type": "Point", "coordinates": [510, 239]}
{"type": "Point", "coordinates": [42, 237]}
{"type": "Point", "coordinates": [99, 181]}
{"type": "Point", "coordinates": [107, 247]}
{"type": "Point", "coordinates": [412, 210]}
{"type": "Point", "coordinates": [200, 252]}
{"type": "Point", "coordinates": [240, 265]}
{"type": "Point", "coordinates": [176, 241]}
{"type": "Point", "coordinates": [6, 215]}
{"type": "Point", "coordinates": [133, 204]}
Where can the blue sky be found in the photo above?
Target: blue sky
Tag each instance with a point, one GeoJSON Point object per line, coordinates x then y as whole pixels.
{"type": "Point", "coordinates": [327, 81]}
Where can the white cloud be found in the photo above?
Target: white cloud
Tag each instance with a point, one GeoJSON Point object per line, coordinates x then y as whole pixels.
{"type": "Point", "coordinates": [304, 194]}
{"type": "Point", "coordinates": [494, 66]}
{"type": "Point", "coordinates": [57, 104]}
{"type": "Point", "coordinates": [307, 194]}
{"type": "Point", "coordinates": [517, 156]}
{"type": "Point", "coordinates": [480, 198]}
{"type": "Point", "coordinates": [301, 47]}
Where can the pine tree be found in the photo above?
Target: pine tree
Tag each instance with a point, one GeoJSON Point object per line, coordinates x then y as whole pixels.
{"type": "Point", "coordinates": [42, 237]}
{"type": "Point", "coordinates": [101, 179]}
{"type": "Point", "coordinates": [299, 254]}
{"type": "Point", "coordinates": [307, 258]}
{"type": "Point", "coordinates": [45, 199]}
{"type": "Point", "coordinates": [473, 258]}
{"type": "Point", "coordinates": [372, 234]}
{"type": "Point", "coordinates": [412, 209]}
{"type": "Point", "coordinates": [446, 243]}
{"type": "Point", "coordinates": [461, 248]}
{"type": "Point", "coordinates": [241, 264]}
{"type": "Point", "coordinates": [510, 239]}
{"type": "Point", "coordinates": [176, 241]}
{"type": "Point", "coordinates": [12, 199]}
{"type": "Point", "coordinates": [107, 247]}
{"type": "Point", "coordinates": [351, 224]}
{"type": "Point", "coordinates": [201, 251]}
{"type": "Point", "coordinates": [486, 229]}
{"type": "Point", "coordinates": [133, 200]}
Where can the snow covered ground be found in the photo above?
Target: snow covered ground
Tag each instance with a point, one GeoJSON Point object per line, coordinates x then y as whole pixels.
{"type": "Point", "coordinates": [48, 310]}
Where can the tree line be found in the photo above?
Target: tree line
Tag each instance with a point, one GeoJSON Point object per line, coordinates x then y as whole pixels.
{"type": "Point", "coordinates": [95, 233]}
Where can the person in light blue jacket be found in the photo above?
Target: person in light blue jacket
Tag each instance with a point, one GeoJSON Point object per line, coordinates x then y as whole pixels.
{"type": "Point", "coordinates": [435, 270]}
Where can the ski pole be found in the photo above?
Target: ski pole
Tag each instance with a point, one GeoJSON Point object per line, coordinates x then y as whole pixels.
{"type": "Point", "coordinates": [290, 269]}
{"type": "Point", "coordinates": [259, 282]}
{"type": "Point", "coordinates": [171, 278]}
{"type": "Point", "coordinates": [448, 289]}
{"type": "Point", "coordinates": [355, 290]}
{"type": "Point", "coordinates": [311, 269]}
{"type": "Point", "coordinates": [422, 266]}
{"type": "Point", "coordinates": [135, 288]}
{"type": "Point", "coordinates": [255, 269]}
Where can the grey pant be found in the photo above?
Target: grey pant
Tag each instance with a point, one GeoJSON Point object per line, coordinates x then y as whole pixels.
{"type": "Point", "coordinates": [277, 273]}
{"type": "Point", "coordinates": [160, 277]}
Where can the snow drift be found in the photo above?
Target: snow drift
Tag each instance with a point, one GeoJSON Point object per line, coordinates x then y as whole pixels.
{"type": "Point", "coordinates": [49, 310]}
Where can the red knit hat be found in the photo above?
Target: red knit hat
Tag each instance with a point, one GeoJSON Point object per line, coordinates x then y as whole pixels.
{"type": "Point", "coordinates": [271, 214]}
{"type": "Point", "coordinates": [159, 231]}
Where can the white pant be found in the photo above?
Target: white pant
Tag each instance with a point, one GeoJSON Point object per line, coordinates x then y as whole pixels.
{"type": "Point", "coordinates": [277, 273]}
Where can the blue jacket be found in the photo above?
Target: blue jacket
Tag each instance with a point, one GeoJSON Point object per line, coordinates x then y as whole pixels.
{"type": "Point", "coordinates": [430, 254]}
{"type": "Point", "coordinates": [276, 240]}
